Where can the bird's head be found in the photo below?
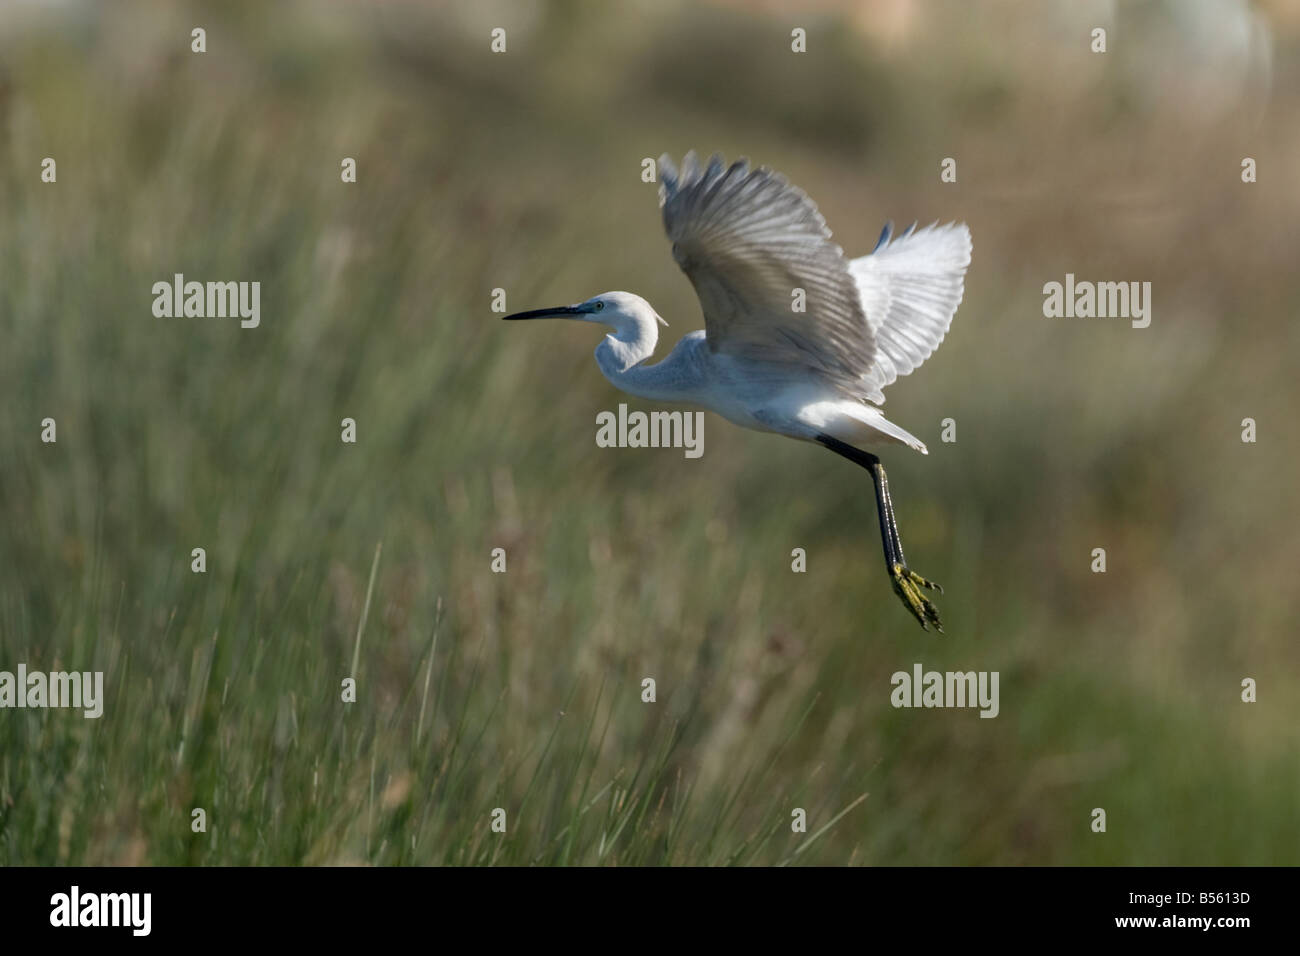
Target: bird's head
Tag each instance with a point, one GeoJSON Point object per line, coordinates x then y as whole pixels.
{"type": "Point", "coordinates": [627, 314]}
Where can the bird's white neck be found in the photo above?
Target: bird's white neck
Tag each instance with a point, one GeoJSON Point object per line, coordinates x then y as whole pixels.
{"type": "Point", "coordinates": [621, 357]}
{"type": "Point", "coordinates": [620, 352]}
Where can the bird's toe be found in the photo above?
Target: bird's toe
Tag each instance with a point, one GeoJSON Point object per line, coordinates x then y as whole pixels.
{"type": "Point", "coordinates": [907, 584]}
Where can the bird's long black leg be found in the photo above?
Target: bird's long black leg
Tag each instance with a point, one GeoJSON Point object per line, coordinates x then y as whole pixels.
{"type": "Point", "coordinates": [906, 582]}
{"type": "Point", "coordinates": [883, 484]}
{"type": "Point", "coordinates": [887, 511]}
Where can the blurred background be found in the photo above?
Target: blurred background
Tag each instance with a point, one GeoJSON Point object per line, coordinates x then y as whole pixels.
{"type": "Point", "coordinates": [521, 690]}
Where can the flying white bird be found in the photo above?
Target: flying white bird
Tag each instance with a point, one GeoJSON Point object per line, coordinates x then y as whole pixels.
{"type": "Point", "coordinates": [750, 241]}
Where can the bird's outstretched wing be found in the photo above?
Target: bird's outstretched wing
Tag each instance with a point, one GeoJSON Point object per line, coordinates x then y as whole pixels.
{"type": "Point", "coordinates": [910, 288]}
{"type": "Point", "coordinates": [748, 239]}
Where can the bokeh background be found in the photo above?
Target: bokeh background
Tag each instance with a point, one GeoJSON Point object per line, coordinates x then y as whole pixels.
{"type": "Point", "coordinates": [522, 690]}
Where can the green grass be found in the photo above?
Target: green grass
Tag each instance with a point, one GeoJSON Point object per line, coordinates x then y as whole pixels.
{"type": "Point", "coordinates": [522, 690]}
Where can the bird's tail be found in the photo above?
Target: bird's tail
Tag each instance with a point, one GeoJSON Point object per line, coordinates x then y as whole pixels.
{"type": "Point", "coordinates": [876, 429]}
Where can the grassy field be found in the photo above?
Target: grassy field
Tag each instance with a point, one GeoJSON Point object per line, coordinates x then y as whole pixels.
{"type": "Point", "coordinates": [522, 690]}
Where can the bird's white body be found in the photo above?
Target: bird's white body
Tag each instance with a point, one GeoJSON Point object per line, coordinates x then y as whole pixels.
{"type": "Point", "coordinates": [798, 340]}
{"type": "Point", "coordinates": [745, 393]}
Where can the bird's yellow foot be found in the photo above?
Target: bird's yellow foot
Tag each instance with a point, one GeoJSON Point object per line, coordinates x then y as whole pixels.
{"type": "Point", "coordinates": [907, 585]}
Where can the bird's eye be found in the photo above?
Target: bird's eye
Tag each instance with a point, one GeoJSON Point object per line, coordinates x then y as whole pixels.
{"type": "Point", "coordinates": [599, 306]}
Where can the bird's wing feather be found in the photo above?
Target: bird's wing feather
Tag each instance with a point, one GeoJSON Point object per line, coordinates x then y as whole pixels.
{"type": "Point", "coordinates": [910, 287]}
{"type": "Point", "coordinates": [747, 239]}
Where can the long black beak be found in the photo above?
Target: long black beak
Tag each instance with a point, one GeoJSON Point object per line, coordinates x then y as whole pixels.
{"type": "Point", "coordinates": [556, 313]}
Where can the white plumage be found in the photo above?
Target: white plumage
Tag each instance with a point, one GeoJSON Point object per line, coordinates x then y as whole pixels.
{"type": "Point", "coordinates": [910, 287]}
{"type": "Point", "coordinates": [755, 247]}
{"type": "Point", "coordinates": [747, 238]}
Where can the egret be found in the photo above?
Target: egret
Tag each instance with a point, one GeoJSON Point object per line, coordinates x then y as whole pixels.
{"type": "Point", "coordinates": [755, 247]}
